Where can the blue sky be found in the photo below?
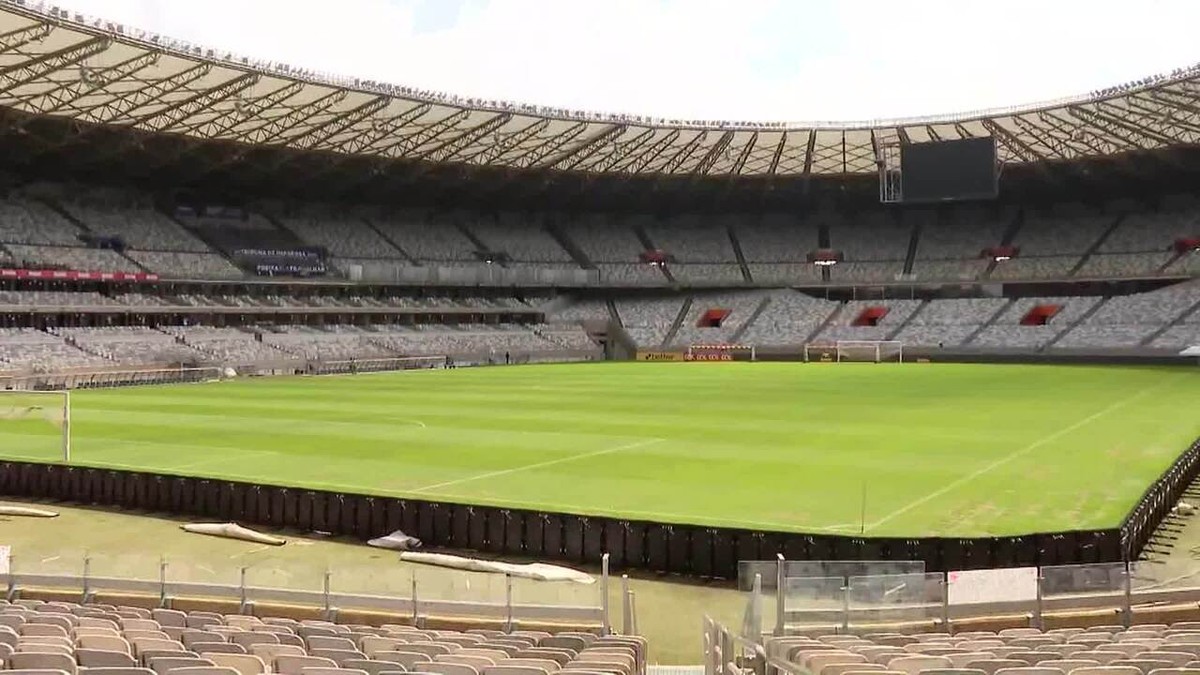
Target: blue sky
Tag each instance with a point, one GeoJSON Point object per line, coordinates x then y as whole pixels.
{"type": "Point", "coordinates": [768, 60]}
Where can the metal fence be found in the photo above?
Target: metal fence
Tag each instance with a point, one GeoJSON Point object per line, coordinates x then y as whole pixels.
{"type": "Point", "coordinates": [406, 590]}
{"type": "Point", "coordinates": [840, 600]}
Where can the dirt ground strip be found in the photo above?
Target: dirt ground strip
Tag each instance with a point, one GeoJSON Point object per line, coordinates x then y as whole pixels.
{"type": "Point", "coordinates": [135, 545]}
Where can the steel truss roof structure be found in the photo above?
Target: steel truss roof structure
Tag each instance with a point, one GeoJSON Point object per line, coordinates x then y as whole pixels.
{"type": "Point", "coordinates": [60, 65]}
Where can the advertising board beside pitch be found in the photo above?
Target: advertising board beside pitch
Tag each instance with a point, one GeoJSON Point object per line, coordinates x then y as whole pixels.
{"type": "Point", "coordinates": [660, 356]}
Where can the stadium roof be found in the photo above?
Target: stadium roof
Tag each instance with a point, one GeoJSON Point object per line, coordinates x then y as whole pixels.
{"type": "Point", "coordinates": [95, 72]}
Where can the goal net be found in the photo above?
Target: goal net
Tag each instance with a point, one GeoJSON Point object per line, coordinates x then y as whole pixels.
{"type": "Point", "coordinates": [871, 351]}
{"type": "Point", "coordinates": [35, 425]}
{"type": "Point", "coordinates": [378, 365]}
{"type": "Point", "coordinates": [876, 351]}
{"type": "Point", "coordinates": [721, 353]}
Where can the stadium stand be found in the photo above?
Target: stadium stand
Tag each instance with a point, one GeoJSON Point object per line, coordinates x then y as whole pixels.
{"type": "Point", "coordinates": [1130, 320]}
{"type": "Point", "coordinates": [64, 637]}
{"type": "Point", "coordinates": [649, 320]}
{"type": "Point", "coordinates": [776, 248]}
{"type": "Point", "coordinates": [1009, 331]}
{"type": "Point", "coordinates": [949, 322]}
{"type": "Point", "coordinates": [716, 318]}
{"type": "Point", "coordinates": [789, 319]}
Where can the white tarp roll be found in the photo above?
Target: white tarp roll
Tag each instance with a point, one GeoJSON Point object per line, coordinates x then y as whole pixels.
{"type": "Point", "coordinates": [233, 531]}
{"type": "Point", "coordinates": [26, 511]}
{"type": "Point", "coordinates": [536, 571]}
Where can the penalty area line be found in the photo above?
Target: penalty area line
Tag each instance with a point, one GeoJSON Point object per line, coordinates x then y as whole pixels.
{"type": "Point", "coordinates": [1020, 452]}
{"type": "Point", "coordinates": [538, 465]}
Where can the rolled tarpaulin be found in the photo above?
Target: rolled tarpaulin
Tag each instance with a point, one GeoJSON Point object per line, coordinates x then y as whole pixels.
{"type": "Point", "coordinates": [26, 511]}
{"type": "Point", "coordinates": [536, 571]}
{"type": "Point", "coordinates": [233, 531]}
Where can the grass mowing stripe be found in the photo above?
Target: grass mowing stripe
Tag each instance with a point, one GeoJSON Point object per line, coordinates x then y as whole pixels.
{"type": "Point", "coordinates": [767, 443]}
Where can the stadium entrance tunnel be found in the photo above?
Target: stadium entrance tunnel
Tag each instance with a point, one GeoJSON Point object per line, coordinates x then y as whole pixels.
{"type": "Point", "coordinates": [1040, 315]}
{"type": "Point", "coordinates": [713, 318]}
{"type": "Point", "coordinates": [870, 316]}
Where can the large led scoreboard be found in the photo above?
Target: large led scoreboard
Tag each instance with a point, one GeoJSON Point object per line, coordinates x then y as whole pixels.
{"type": "Point", "coordinates": [956, 170]}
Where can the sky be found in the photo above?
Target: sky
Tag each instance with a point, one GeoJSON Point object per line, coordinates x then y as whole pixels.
{"type": "Point", "coordinates": [744, 60]}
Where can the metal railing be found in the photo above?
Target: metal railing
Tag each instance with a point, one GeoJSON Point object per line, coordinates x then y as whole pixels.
{"type": "Point", "coordinates": [779, 603]}
{"type": "Point", "coordinates": [413, 591]}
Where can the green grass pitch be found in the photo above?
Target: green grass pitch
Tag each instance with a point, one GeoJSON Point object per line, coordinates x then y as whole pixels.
{"type": "Point", "coordinates": [953, 450]}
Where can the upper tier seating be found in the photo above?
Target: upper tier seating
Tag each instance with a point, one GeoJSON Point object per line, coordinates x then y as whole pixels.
{"type": "Point", "coordinates": [28, 221]}
{"type": "Point", "coordinates": [342, 235]}
{"type": "Point", "coordinates": [427, 236]}
{"type": "Point", "coordinates": [522, 237]}
{"type": "Point", "coordinates": [139, 227]}
{"type": "Point", "coordinates": [171, 264]}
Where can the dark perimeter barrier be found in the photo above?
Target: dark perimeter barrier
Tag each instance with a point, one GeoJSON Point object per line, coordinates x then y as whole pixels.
{"type": "Point", "coordinates": [574, 539]}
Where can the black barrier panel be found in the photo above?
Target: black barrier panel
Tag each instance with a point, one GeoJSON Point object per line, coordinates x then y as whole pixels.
{"type": "Point", "coordinates": [637, 545]}
{"type": "Point", "coordinates": [227, 497]}
{"type": "Point", "coordinates": [348, 523]}
{"type": "Point", "coordinates": [593, 540]}
{"type": "Point", "coordinates": [424, 521]}
{"type": "Point", "coordinates": [552, 535]}
{"type": "Point", "coordinates": [460, 525]}
{"type": "Point", "coordinates": [516, 535]}
{"type": "Point", "coordinates": [724, 548]}
{"type": "Point", "coordinates": [305, 509]}
{"type": "Point", "coordinates": [573, 527]}
{"type": "Point", "coordinates": [334, 507]}
{"type": "Point", "coordinates": [320, 512]}
{"type": "Point", "coordinates": [477, 529]}
{"type": "Point", "coordinates": [398, 516]}
{"type": "Point", "coordinates": [497, 530]}
{"type": "Point", "coordinates": [657, 557]}
{"type": "Point", "coordinates": [290, 509]}
{"type": "Point", "coordinates": [615, 533]}
{"type": "Point", "coordinates": [700, 552]}
{"type": "Point", "coordinates": [678, 549]}
{"type": "Point", "coordinates": [369, 522]}
{"type": "Point", "coordinates": [410, 517]}
{"type": "Point", "coordinates": [57, 487]}
{"type": "Point", "coordinates": [443, 524]}
{"type": "Point", "coordinates": [535, 528]}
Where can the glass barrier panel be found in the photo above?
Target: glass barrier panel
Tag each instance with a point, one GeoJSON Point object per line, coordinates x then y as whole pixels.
{"type": "Point", "coordinates": [184, 572]}
{"type": "Point", "coordinates": [535, 599]}
{"type": "Point", "coordinates": [472, 590]}
{"type": "Point", "coordinates": [814, 601]}
{"type": "Point", "coordinates": [268, 570]}
{"type": "Point", "coordinates": [894, 598]}
{"type": "Point", "coordinates": [1098, 586]}
{"type": "Point", "coordinates": [389, 579]}
{"type": "Point", "coordinates": [108, 569]}
{"type": "Point", "coordinates": [768, 570]}
{"type": "Point", "coordinates": [851, 568]}
{"type": "Point", "coordinates": [1174, 573]}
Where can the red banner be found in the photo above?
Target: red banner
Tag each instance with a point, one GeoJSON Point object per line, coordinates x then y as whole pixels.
{"type": "Point", "coordinates": [71, 275]}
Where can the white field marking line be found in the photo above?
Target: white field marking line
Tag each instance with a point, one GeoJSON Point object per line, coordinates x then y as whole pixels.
{"type": "Point", "coordinates": [1014, 455]}
{"type": "Point", "coordinates": [538, 465]}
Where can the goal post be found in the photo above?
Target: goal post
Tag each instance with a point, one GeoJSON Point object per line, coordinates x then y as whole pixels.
{"type": "Point", "coordinates": [866, 351]}
{"type": "Point", "coordinates": [875, 351]}
{"type": "Point", "coordinates": [36, 425]}
{"type": "Point", "coordinates": [721, 353]}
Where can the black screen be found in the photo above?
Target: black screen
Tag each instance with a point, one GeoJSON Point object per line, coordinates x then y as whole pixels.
{"type": "Point", "coordinates": [949, 170]}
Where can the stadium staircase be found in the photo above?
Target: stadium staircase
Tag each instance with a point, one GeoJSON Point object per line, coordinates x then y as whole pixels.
{"type": "Point", "coordinates": [1097, 244]}
{"type": "Point", "coordinates": [556, 233]}
{"type": "Point", "coordinates": [904, 324]}
{"type": "Point", "coordinates": [1180, 318]}
{"type": "Point", "coordinates": [83, 227]}
{"type": "Point", "coordinates": [648, 244]}
{"type": "Point", "coordinates": [684, 310]}
{"type": "Point", "coordinates": [824, 240]}
{"type": "Point", "coordinates": [991, 320]}
{"type": "Point", "coordinates": [1077, 322]}
{"type": "Point", "coordinates": [1010, 235]}
{"type": "Point", "coordinates": [833, 315]}
{"type": "Point", "coordinates": [395, 244]}
{"type": "Point", "coordinates": [741, 258]}
{"type": "Point", "coordinates": [476, 241]}
{"type": "Point", "coordinates": [1162, 269]}
{"type": "Point", "coordinates": [914, 242]}
{"type": "Point", "coordinates": [201, 234]}
{"type": "Point", "coordinates": [758, 311]}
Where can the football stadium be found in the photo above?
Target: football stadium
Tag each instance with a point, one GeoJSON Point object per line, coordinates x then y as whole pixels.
{"type": "Point", "coordinates": [318, 375]}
